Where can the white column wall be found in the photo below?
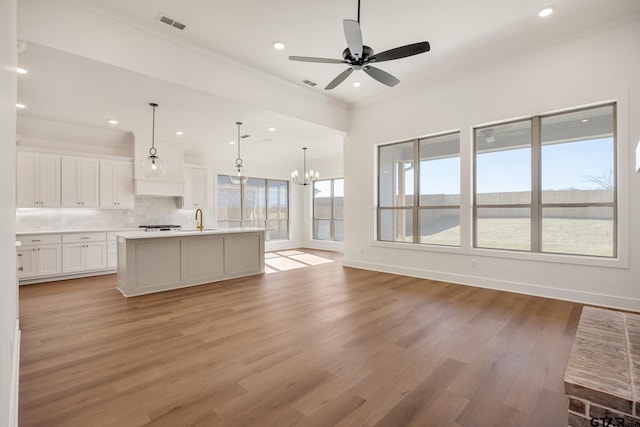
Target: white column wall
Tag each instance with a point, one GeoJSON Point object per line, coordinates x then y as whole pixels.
{"type": "Point", "coordinates": [8, 286]}
{"type": "Point", "coordinates": [593, 68]}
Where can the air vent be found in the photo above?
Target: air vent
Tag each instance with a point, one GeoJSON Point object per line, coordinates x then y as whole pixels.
{"type": "Point", "coordinates": [309, 82]}
{"type": "Point", "coordinates": [170, 21]}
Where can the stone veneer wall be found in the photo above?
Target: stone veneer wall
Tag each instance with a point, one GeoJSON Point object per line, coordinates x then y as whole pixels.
{"type": "Point", "coordinates": [602, 379]}
{"type": "Point", "coordinates": [148, 210]}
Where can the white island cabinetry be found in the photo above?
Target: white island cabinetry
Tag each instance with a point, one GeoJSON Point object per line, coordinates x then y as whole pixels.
{"type": "Point", "coordinates": [154, 262]}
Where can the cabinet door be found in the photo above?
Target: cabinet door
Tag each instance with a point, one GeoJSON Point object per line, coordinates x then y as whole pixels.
{"type": "Point", "coordinates": [200, 187]}
{"type": "Point", "coordinates": [27, 260]}
{"type": "Point", "coordinates": [108, 170]}
{"type": "Point", "coordinates": [195, 190]}
{"type": "Point", "coordinates": [73, 257]}
{"type": "Point", "coordinates": [95, 256]}
{"type": "Point", "coordinates": [80, 180]}
{"type": "Point", "coordinates": [49, 260]}
{"type": "Point", "coordinates": [27, 180]}
{"type": "Point", "coordinates": [116, 184]}
{"type": "Point", "coordinates": [124, 184]}
{"type": "Point", "coordinates": [49, 179]}
{"type": "Point", "coordinates": [188, 200]}
{"type": "Point", "coordinates": [89, 182]}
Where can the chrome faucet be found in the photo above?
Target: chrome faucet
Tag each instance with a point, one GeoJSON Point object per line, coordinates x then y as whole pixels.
{"type": "Point", "coordinates": [200, 226]}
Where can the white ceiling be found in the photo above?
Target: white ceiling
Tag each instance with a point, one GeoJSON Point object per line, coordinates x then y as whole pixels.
{"type": "Point", "coordinates": [463, 34]}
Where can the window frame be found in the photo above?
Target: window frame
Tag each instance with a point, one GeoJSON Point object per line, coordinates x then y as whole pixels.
{"type": "Point", "coordinates": [332, 219]}
{"type": "Point", "coordinates": [416, 207]}
{"type": "Point", "coordinates": [536, 205]}
{"type": "Point", "coordinates": [243, 221]}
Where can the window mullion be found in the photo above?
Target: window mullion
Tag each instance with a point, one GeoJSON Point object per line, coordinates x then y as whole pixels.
{"type": "Point", "coordinates": [536, 184]}
{"type": "Point", "coordinates": [416, 191]}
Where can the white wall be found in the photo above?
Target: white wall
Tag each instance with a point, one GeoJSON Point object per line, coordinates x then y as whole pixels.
{"type": "Point", "coordinates": [588, 69]}
{"type": "Point", "coordinates": [8, 288]}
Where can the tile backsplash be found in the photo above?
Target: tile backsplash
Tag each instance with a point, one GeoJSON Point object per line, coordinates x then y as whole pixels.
{"type": "Point", "coordinates": [148, 210]}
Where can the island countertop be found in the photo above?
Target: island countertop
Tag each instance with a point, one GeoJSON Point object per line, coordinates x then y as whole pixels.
{"type": "Point", "coordinates": [189, 232]}
{"type": "Point", "coordinates": [159, 261]}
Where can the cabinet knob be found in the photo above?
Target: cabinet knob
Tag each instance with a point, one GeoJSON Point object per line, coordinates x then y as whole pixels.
{"type": "Point", "coordinates": [20, 268]}
{"type": "Point", "coordinates": [19, 254]}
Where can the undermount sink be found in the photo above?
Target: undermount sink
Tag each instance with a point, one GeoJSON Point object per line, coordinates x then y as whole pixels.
{"type": "Point", "coordinates": [197, 231]}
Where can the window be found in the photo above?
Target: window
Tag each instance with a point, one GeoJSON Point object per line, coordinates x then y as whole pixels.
{"type": "Point", "coordinates": [419, 201]}
{"type": "Point", "coordinates": [328, 209]}
{"type": "Point", "coordinates": [257, 203]}
{"type": "Point", "coordinates": [547, 184]}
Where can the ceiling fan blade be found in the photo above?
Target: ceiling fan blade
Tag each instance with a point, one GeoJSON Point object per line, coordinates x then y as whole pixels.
{"type": "Point", "coordinates": [354, 36]}
{"type": "Point", "coordinates": [401, 52]}
{"type": "Point", "coordinates": [381, 76]}
{"type": "Point", "coordinates": [322, 60]}
{"type": "Point", "coordinates": [339, 79]}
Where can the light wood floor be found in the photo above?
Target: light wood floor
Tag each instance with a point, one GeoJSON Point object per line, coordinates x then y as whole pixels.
{"type": "Point", "coordinates": [320, 346]}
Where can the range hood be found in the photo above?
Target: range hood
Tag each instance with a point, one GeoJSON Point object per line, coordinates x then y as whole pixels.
{"type": "Point", "coordinates": [158, 187]}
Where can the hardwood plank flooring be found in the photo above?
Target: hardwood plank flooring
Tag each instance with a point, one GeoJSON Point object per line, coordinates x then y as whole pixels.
{"type": "Point", "coordinates": [322, 345]}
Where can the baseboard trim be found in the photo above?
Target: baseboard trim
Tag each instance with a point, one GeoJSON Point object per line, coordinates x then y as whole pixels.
{"type": "Point", "coordinates": [67, 276]}
{"type": "Point", "coordinates": [15, 378]}
{"type": "Point", "coordinates": [590, 298]}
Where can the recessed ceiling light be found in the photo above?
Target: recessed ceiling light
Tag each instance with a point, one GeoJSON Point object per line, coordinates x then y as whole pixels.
{"type": "Point", "coordinates": [21, 106]}
{"type": "Point", "coordinates": [278, 45]}
{"type": "Point", "coordinates": [232, 142]}
{"type": "Point", "coordinates": [546, 11]}
{"type": "Point", "coordinates": [179, 133]}
{"type": "Point", "coordinates": [584, 120]}
{"type": "Point", "coordinates": [271, 129]}
{"type": "Point", "coordinates": [357, 84]}
{"type": "Point", "coordinates": [21, 71]}
{"type": "Point", "coordinates": [113, 121]}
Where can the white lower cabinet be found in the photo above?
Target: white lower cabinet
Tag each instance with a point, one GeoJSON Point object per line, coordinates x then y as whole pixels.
{"type": "Point", "coordinates": [39, 255]}
{"type": "Point", "coordinates": [84, 252]}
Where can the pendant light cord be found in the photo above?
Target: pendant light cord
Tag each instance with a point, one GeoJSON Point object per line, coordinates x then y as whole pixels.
{"type": "Point", "coordinates": [239, 160]}
{"type": "Point", "coordinates": [358, 11]}
{"type": "Point", "coordinates": [152, 150]}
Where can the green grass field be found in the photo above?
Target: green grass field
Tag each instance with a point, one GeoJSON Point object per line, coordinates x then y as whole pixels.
{"type": "Point", "coordinates": [559, 235]}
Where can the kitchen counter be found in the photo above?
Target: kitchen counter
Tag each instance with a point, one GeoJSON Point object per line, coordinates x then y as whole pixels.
{"type": "Point", "coordinates": [158, 261]}
{"type": "Point", "coordinates": [88, 230]}
{"type": "Point", "coordinates": [141, 234]}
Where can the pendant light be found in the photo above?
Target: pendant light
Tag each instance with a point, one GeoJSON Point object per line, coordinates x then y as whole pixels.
{"type": "Point", "coordinates": [307, 178]}
{"type": "Point", "coordinates": [152, 165]}
{"type": "Point", "coordinates": [237, 175]}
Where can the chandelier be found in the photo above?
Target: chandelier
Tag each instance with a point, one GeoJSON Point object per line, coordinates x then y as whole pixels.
{"type": "Point", "coordinates": [307, 178]}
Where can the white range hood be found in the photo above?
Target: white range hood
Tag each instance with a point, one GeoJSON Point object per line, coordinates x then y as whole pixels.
{"type": "Point", "coordinates": [158, 187]}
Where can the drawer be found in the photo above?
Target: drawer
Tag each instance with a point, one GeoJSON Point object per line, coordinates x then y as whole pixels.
{"type": "Point", "coordinates": [40, 239]}
{"type": "Point", "coordinates": [84, 237]}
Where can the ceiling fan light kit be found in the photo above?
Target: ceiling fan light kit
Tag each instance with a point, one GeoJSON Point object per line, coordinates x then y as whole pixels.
{"type": "Point", "coordinates": [360, 57]}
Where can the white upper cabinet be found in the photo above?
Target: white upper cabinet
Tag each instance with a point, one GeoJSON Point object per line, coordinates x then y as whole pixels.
{"type": "Point", "coordinates": [38, 180]}
{"type": "Point", "coordinates": [195, 189]}
{"type": "Point", "coordinates": [80, 182]}
{"type": "Point", "coordinates": [116, 184]}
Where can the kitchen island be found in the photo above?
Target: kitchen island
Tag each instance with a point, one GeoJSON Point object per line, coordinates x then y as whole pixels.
{"type": "Point", "coordinates": [159, 261]}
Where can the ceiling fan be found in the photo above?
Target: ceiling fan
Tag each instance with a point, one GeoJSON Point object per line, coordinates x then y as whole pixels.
{"type": "Point", "coordinates": [360, 57]}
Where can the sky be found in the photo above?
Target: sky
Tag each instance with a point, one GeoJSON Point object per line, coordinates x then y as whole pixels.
{"type": "Point", "coordinates": [564, 166]}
